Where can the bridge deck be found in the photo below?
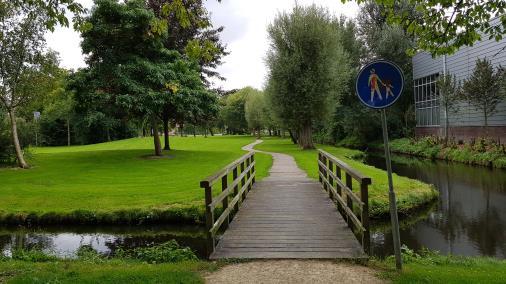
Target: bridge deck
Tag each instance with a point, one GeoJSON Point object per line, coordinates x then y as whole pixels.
{"type": "Point", "coordinates": [287, 215]}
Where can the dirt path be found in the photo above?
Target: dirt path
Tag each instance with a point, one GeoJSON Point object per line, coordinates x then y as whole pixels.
{"type": "Point", "coordinates": [294, 271]}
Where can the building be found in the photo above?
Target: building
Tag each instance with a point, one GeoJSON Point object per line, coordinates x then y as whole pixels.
{"type": "Point", "coordinates": [466, 122]}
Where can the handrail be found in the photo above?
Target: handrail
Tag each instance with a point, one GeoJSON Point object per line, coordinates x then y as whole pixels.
{"type": "Point", "coordinates": [341, 192]}
{"type": "Point", "coordinates": [212, 179]}
{"type": "Point", "coordinates": [243, 178]}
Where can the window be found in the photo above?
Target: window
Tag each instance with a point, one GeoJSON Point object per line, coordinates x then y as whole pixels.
{"type": "Point", "coordinates": [426, 101]}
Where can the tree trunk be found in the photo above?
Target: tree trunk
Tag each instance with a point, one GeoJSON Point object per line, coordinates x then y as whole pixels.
{"type": "Point", "coordinates": [258, 133]}
{"type": "Point", "coordinates": [292, 136]}
{"type": "Point", "coordinates": [15, 140]}
{"type": "Point", "coordinates": [211, 131]}
{"type": "Point", "coordinates": [270, 132]}
{"type": "Point", "coordinates": [156, 137]}
{"type": "Point", "coordinates": [166, 132]}
{"type": "Point", "coordinates": [108, 134]}
{"type": "Point", "coordinates": [194, 131]}
{"type": "Point", "coordinates": [68, 131]}
{"type": "Point", "coordinates": [181, 126]}
{"type": "Point", "coordinates": [485, 114]}
{"type": "Point", "coordinates": [305, 137]}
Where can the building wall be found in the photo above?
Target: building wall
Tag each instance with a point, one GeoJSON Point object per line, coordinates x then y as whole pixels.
{"type": "Point", "coordinates": [461, 64]}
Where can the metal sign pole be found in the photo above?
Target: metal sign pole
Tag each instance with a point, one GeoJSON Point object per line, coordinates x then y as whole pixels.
{"type": "Point", "coordinates": [391, 195]}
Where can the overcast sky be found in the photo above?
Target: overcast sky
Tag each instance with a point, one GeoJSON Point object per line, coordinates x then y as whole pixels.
{"type": "Point", "coordinates": [245, 35]}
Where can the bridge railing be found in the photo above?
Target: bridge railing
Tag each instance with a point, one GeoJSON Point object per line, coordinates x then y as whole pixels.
{"type": "Point", "coordinates": [242, 172]}
{"type": "Point", "coordinates": [340, 190]}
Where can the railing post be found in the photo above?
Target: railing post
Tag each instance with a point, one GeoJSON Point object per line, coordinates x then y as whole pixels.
{"type": "Point", "coordinates": [330, 178]}
{"type": "Point", "coordinates": [243, 181]}
{"type": "Point", "coordinates": [339, 189]}
{"type": "Point", "coordinates": [364, 196]}
{"type": "Point", "coordinates": [209, 218]}
{"type": "Point", "coordinates": [349, 201]}
{"type": "Point", "coordinates": [236, 188]}
{"type": "Point", "coordinates": [224, 186]}
{"type": "Point", "coordinates": [325, 173]}
{"type": "Point", "coordinates": [248, 175]}
{"type": "Point", "coordinates": [253, 171]}
{"type": "Point", "coordinates": [320, 170]}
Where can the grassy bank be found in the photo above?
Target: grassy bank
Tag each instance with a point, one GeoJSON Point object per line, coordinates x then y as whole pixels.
{"type": "Point", "coordinates": [117, 182]}
{"type": "Point", "coordinates": [430, 267]}
{"type": "Point", "coordinates": [411, 193]}
{"type": "Point", "coordinates": [165, 263]}
{"type": "Point", "coordinates": [482, 152]}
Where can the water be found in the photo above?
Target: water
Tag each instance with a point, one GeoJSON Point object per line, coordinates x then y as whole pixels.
{"type": "Point", "coordinates": [65, 241]}
{"type": "Point", "coordinates": [468, 219]}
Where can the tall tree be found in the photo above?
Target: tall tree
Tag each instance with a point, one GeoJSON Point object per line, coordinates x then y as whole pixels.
{"type": "Point", "coordinates": [306, 68]}
{"type": "Point", "coordinates": [129, 63]}
{"type": "Point", "coordinates": [449, 94]}
{"type": "Point", "coordinates": [233, 113]}
{"type": "Point", "coordinates": [256, 111]}
{"type": "Point", "coordinates": [482, 88]}
{"type": "Point", "coordinates": [190, 32]}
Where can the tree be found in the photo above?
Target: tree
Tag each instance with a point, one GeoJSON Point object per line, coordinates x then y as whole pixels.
{"type": "Point", "coordinates": [308, 69]}
{"type": "Point", "coordinates": [449, 94]}
{"type": "Point", "coordinates": [190, 32]}
{"type": "Point", "coordinates": [442, 27]}
{"type": "Point", "coordinates": [233, 113]}
{"type": "Point", "coordinates": [129, 63]}
{"type": "Point", "coordinates": [22, 59]}
{"type": "Point", "coordinates": [482, 89]}
{"type": "Point", "coordinates": [256, 111]}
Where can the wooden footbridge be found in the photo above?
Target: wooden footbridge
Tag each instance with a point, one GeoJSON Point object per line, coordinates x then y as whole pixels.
{"type": "Point", "coordinates": [287, 215]}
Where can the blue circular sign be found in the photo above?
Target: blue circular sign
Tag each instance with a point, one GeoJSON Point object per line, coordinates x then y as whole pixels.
{"type": "Point", "coordinates": [379, 84]}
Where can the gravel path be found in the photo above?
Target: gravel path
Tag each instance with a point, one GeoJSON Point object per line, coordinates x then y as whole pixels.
{"type": "Point", "coordinates": [293, 271]}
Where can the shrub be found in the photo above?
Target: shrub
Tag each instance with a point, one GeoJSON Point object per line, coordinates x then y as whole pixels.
{"type": "Point", "coordinates": [33, 255]}
{"type": "Point", "coordinates": [166, 252]}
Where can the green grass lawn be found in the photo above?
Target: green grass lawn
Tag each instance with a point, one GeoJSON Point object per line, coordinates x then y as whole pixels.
{"type": "Point", "coordinates": [107, 271]}
{"type": "Point", "coordinates": [435, 268]}
{"type": "Point", "coordinates": [410, 193]}
{"type": "Point", "coordinates": [117, 182]}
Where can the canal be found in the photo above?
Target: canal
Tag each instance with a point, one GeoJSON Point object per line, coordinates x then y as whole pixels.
{"type": "Point", "coordinates": [468, 219]}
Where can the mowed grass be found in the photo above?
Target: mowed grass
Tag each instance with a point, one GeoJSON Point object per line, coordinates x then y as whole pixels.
{"type": "Point", "coordinates": [107, 271]}
{"type": "Point", "coordinates": [117, 176]}
{"type": "Point", "coordinates": [410, 193]}
{"type": "Point", "coordinates": [444, 269]}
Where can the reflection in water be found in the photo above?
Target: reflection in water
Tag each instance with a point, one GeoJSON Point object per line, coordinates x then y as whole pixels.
{"type": "Point", "coordinates": [470, 216]}
{"type": "Point", "coordinates": [65, 241]}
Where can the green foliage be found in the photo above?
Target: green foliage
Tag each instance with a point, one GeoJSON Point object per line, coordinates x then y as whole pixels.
{"type": "Point", "coordinates": [482, 152]}
{"type": "Point", "coordinates": [256, 111]}
{"type": "Point", "coordinates": [482, 89]}
{"type": "Point", "coordinates": [163, 253]}
{"type": "Point", "coordinates": [233, 112]}
{"type": "Point", "coordinates": [308, 68]}
{"type": "Point", "coordinates": [442, 27]}
{"type": "Point", "coordinates": [32, 255]}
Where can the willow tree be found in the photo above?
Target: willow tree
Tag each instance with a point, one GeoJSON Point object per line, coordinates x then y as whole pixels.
{"type": "Point", "coordinates": [306, 65]}
{"type": "Point", "coordinates": [256, 111]}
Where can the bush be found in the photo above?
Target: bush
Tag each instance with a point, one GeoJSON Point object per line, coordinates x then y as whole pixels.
{"type": "Point", "coordinates": [166, 252]}
{"type": "Point", "coordinates": [32, 255]}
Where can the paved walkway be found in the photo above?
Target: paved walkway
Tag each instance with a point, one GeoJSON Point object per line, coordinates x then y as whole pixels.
{"type": "Point", "coordinates": [287, 215]}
